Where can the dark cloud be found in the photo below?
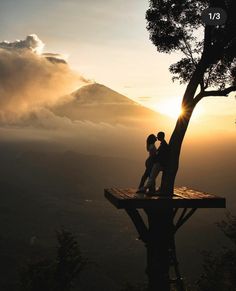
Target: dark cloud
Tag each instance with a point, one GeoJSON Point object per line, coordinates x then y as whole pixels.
{"type": "Point", "coordinates": [55, 58]}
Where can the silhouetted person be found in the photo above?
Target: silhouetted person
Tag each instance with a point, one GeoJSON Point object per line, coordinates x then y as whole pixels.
{"type": "Point", "coordinates": [160, 161]}
{"type": "Point", "coordinates": [151, 148]}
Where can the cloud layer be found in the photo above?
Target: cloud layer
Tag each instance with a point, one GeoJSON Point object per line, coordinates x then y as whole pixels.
{"type": "Point", "coordinates": [30, 80]}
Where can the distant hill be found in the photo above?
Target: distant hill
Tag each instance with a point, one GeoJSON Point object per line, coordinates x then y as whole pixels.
{"type": "Point", "coordinates": [98, 103]}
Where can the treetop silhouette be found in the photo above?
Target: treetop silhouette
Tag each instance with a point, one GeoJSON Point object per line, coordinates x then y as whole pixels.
{"type": "Point", "coordinates": [208, 65]}
{"type": "Point", "coordinates": [172, 25]}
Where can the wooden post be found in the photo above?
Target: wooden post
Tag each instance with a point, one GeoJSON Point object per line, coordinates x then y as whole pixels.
{"type": "Point", "coordinates": [158, 235]}
{"type": "Point", "coordinates": [158, 244]}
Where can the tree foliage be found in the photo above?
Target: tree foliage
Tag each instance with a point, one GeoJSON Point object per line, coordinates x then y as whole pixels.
{"type": "Point", "coordinates": [220, 269]}
{"type": "Point", "coordinates": [55, 274]}
{"type": "Point", "coordinates": [207, 64]}
{"type": "Point", "coordinates": [141, 287]}
{"type": "Point", "coordinates": [176, 25]}
{"type": "Point", "coordinates": [134, 287]}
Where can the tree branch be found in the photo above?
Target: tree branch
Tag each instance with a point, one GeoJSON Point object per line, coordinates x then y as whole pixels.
{"type": "Point", "coordinates": [189, 51]}
{"type": "Point", "coordinates": [224, 92]}
{"type": "Point", "coordinates": [208, 77]}
{"type": "Point", "coordinates": [202, 84]}
{"type": "Point", "coordinates": [194, 82]}
{"type": "Point", "coordinates": [217, 93]}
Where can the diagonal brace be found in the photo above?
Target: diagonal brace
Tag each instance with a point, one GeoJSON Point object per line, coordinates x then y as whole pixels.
{"type": "Point", "coordinates": [139, 223]}
{"type": "Point", "coordinates": [184, 217]}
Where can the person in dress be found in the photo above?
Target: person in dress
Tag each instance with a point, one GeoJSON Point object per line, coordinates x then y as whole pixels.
{"type": "Point", "coordinates": [151, 149]}
{"type": "Point", "coordinates": [159, 164]}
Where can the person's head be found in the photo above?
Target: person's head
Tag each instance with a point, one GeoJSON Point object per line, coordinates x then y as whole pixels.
{"type": "Point", "coordinates": [160, 135]}
{"type": "Point", "coordinates": [151, 139]}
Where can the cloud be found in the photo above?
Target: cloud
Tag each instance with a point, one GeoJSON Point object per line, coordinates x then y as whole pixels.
{"type": "Point", "coordinates": [31, 43]}
{"type": "Point", "coordinates": [29, 80]}
{"type": "Point", "coordinates": [82, 136]}
{"type": "Point", "coordinates": [55, 58]}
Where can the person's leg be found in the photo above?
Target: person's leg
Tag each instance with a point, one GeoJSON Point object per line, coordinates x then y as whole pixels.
{"type": "Point", "coordinates": [151, 183]}
{"type": "Point", "coordinates": [146, 174]}
{"type": "Point", "coordinates": [144, 178]}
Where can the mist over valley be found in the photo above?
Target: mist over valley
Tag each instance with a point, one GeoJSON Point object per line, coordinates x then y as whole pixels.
{"type": "Point", "coordinates": [55, 163]}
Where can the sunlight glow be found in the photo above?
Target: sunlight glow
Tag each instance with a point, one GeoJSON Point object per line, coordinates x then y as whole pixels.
{"type": "Point", "coordinates": [171, 107]}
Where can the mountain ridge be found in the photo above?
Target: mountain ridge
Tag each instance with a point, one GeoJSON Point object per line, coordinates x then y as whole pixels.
{"type": "Point", "coordinates": [98, 103]}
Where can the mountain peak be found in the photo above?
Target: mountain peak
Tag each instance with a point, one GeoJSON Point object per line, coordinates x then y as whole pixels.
{"type": "Point", "coordinates": [98, 103]}
{"type": "Point", "coordinates": [98, 93]}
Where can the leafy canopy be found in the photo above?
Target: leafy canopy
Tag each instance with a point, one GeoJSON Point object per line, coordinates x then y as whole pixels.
{"type": "Point", "coordinates": [219, 269]}
{"type": "Point", "coordinates": [47, 274]}
{"type": "Point", "coordinates": [176, 25]}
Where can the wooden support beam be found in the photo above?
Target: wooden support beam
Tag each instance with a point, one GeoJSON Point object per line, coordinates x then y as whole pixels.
{"type": "Point", "coordinates": [182, 215]}
{"type": "Point", "coordinates": [159, 234]}
{"type": "Point", "coordinates": [158, 244]}
{"type": "Point", "coordinates": [178, 280]}
{"type": "Point", "coordinates": [139, 223]}
{"type": "Point", "coordinates": [184, 218]}
{"type": "Point", "coordinates": [175, 210]}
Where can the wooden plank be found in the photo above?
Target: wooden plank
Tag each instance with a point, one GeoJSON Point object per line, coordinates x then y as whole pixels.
{"type": "Point", "coordinates": [184, 192]}
{"type": "Point", "coordinates": [183, 198]}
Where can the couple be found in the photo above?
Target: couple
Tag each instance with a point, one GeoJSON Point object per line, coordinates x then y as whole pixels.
{"type": "Point", "coordinates": [155, 163]}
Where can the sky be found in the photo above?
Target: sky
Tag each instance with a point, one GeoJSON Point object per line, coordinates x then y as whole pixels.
{"type": "Point", "coordinates": [107, 41]}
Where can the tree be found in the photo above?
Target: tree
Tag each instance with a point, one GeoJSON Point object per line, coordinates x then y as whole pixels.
{"type": "Point", "coordinates": [220, 269]}
{"type": "Point", "coordinates": [55, 274]}
{"type": "Point", "coordinates": [208, 66]}
{"type": "Point", "coordinates": [139, 287]}
{"type": "Point", "coordinates": [69, 261]}
{"type": "Point", "coordinates": [134, 287]}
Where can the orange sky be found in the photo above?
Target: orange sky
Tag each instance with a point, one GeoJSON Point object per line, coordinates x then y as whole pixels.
{"type": "Point", "coordinates": [108, 42]}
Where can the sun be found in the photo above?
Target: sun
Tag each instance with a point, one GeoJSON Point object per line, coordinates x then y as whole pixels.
{"type": "Point", "coordinates": [171, 108]}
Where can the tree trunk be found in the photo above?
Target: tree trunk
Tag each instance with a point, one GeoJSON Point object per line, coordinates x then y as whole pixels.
{"type": "Point", "coordinates": [168, 177]}
{"type": "Point", "coordinates": [188, 105]}
{"type": "Point", "coordinates": [158, 244]}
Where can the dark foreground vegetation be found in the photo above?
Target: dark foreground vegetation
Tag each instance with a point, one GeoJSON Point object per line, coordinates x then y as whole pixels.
{"type": "Point", "coordinates": [56, 273]}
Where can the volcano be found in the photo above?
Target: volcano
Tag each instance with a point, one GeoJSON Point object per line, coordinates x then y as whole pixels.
{"type": "Point", "coordinates": [98, 103]}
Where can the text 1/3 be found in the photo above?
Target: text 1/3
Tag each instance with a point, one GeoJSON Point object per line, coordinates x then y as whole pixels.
{"type": "Point", "coordinates": [214, 16]}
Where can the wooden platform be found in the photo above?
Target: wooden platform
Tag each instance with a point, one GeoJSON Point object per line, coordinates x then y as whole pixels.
{"type": "Point", "coordinates": [183, 198]}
